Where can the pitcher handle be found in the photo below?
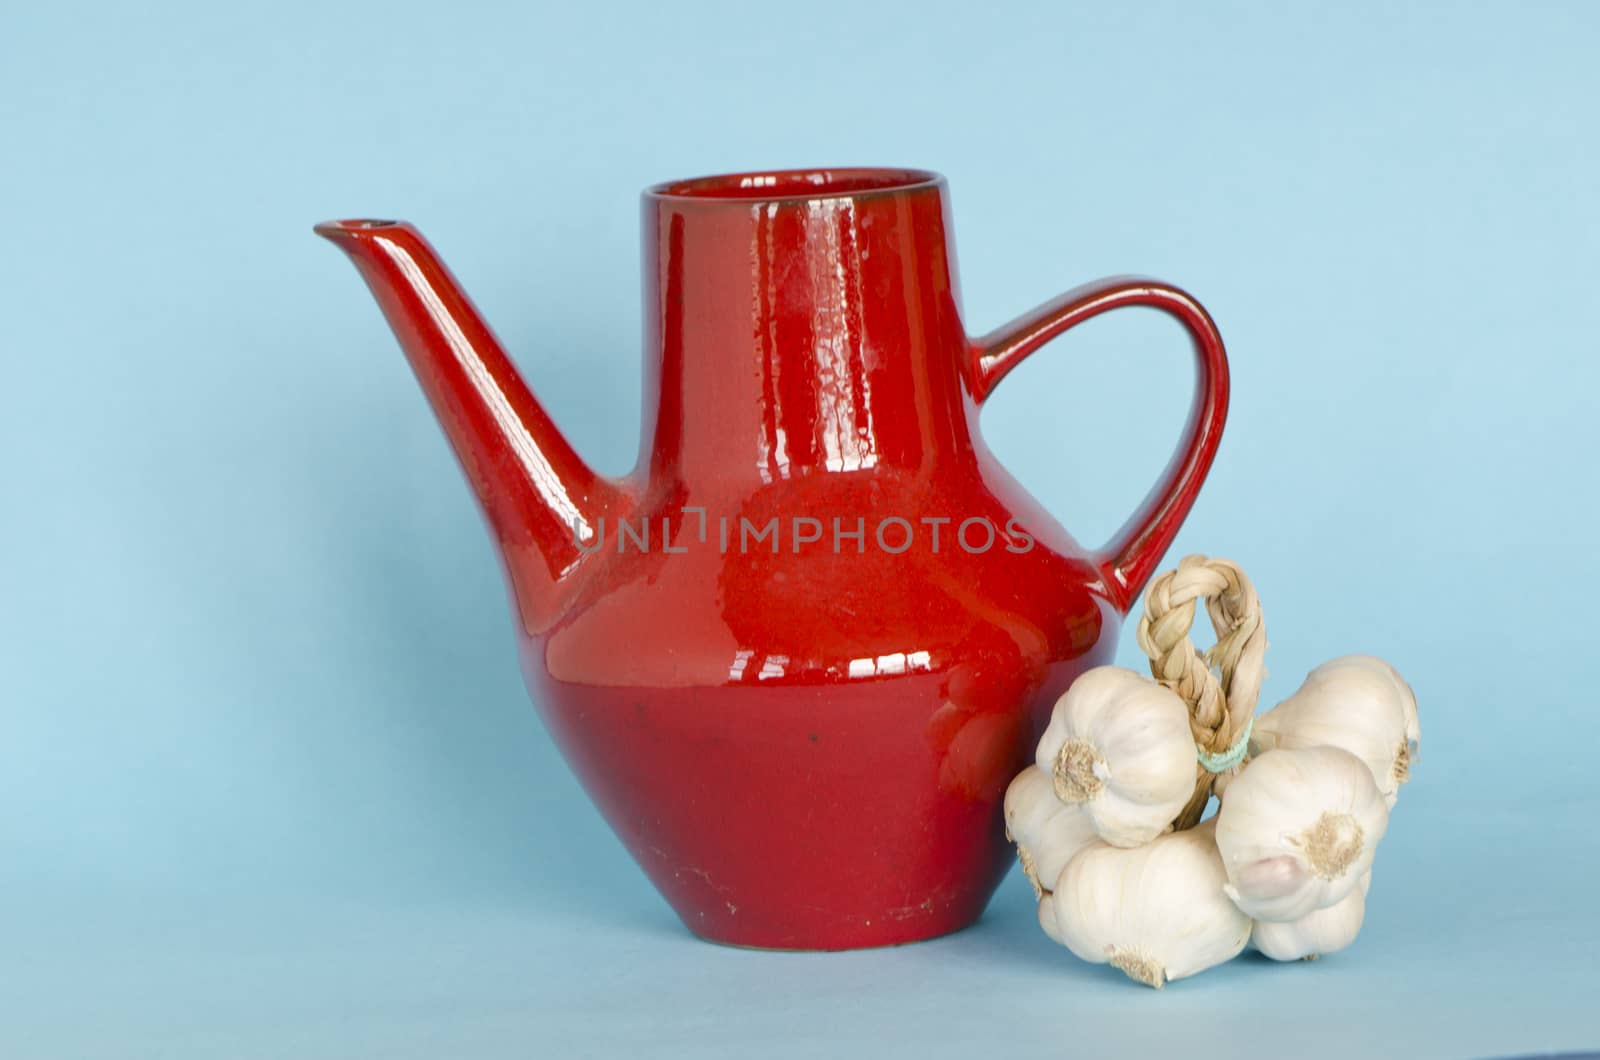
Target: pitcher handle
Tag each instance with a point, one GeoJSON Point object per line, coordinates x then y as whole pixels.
{"type": "Point", "coordinates": [1133, 552]}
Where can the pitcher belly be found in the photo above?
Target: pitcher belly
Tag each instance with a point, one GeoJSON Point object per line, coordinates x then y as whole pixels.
{"type": "Point", "coordinates": [809, 816]}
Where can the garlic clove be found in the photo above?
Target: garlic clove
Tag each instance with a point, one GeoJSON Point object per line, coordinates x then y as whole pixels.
{"type": "Point", "coordinates": [1063, 837]}
{"type": "Point", "coordinates": [1315, 934]}
{"type": "Point", "coordinates": [1119, 744]}
{"type": "Point", "coordinates": [1357, 703]}
{"type": "Point", "coordinates": [1156, 912]}
{"type": "Point", "coordinates": [1047, 832]}
{"type": "Point", "coordinates": [1047, 917]}
{"type": "Point", "coordinates": [1276, 878]}
{"type": "Point", "coordinates": [1029, 803]}
{"type": "Point", "coordinates": [1403, 692]}
{"type": "Point", "coordinates": [1298, 830]}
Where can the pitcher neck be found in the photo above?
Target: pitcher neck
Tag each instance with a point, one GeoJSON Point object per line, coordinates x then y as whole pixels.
{"type": "Point", "coordinates": [801, 322]}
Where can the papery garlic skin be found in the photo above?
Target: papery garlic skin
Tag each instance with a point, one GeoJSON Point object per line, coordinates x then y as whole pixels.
{"type": "Point", "coordinates": [1315, 934]}
{"type": "Point", "coordinates": [1357, 703]}
{"type": "Point", "coordinates": [1156, 912]}
{"type": "Point", "coordinates": [1298, 830]}
{"type": "Point", "coordinates": [1047, 831]}
{"type": "Point", "coordinates": [1119, 744]}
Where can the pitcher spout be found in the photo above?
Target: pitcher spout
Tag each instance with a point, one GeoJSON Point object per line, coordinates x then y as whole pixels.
{"type": "Point", "coordinates": [542, 502]}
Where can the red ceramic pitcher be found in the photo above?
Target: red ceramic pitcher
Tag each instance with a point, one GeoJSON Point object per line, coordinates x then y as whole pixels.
{"type": "Point", "coordinates": [797, 654]}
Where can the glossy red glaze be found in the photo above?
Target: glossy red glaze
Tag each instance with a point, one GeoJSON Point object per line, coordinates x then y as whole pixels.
{"type": "Point", "coordinates": [804, 747]}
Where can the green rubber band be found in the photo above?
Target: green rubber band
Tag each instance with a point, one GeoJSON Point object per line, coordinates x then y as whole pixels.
{"type": "Point", "coordinates": [1226, 760]}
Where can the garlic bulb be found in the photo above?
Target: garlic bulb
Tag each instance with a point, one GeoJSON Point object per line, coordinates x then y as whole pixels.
{"type": "Point", "coordinates": [1120, 745]}
{"type": "Point", "coordinates": [1047, 831]}
{"type": "Point", "coordinates": [1357, 703]}
{"type": "Point", "coordinates": [1323, 931]}
{"type": "Point", "coordinates": [1156, 912]}
{"type": "Point", "coordinates": [1297, 831]}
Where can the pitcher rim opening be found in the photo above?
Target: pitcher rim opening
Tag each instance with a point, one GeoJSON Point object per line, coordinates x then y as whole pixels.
{"type": "Point", "coordinates": [790, 185]}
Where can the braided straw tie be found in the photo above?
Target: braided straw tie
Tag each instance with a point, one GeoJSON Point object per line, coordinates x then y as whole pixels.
{"type": "Point", "coordinates": [1221, 686]}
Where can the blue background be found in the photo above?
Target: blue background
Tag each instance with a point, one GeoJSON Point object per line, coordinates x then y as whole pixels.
{"type": "Point", "coordinates": [269, 785]}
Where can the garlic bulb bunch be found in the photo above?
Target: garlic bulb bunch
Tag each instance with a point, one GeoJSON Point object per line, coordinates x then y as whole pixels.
{"type": "Point", "coordinates": [1119, 745]}
{"type": "Point", "coordinates": [1156, 912]}
{"type": "Point", "coordinates": [1297, 831]}
{"type": "Point", "coordinates": [1108, 819]}
{"type": "Point", "coordinates": [1323, 931]}
{"type": "Point", "coordinates": [1357, 703]}
{"type": "Point", "coordinates": [1047, 831]}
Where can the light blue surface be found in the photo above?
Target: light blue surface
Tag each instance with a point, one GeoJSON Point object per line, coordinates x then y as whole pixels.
{"type": "Point", "coordinates": [268, 782]}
